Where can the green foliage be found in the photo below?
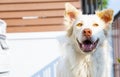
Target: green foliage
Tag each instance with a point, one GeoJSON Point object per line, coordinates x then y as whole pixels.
{"type": "Point", "coordinates": [104, 3]}
{"type": "Point", "coordinates": [118, 60]}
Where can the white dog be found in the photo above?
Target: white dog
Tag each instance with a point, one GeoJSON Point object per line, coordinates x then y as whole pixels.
{"type": "Point", "coordinates": [87, 51]}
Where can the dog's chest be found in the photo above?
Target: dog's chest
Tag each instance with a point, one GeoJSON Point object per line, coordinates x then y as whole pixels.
{"type": "Point", "coordinates": [84, 68]}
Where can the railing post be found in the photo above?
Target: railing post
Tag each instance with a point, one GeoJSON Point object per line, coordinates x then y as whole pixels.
{"type": "Point", "coordinates": [95, 4]}
{"type": "Point", "coordinates": [84, 6]}
{"type": "Point", "coordinates": [90, 6]}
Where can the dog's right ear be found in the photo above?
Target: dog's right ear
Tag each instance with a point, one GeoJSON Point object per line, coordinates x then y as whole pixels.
{"type": "Point", "coordinates": [70, 15]}
{"type": "Point", "coordinates": [70, 11]}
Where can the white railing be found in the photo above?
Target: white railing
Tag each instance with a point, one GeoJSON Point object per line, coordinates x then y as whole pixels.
{"type": "Point", "coordinates": [29, 53]}
{"type": "Point", "coordinates": [47, 71]}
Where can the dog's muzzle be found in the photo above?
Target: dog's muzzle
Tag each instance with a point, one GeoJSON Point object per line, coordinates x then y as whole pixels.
{"type": "Point", "coordinates": [88, 45]}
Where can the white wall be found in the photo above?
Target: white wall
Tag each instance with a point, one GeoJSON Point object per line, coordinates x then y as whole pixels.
{"type": "Point", "coordinates": [29, 52]}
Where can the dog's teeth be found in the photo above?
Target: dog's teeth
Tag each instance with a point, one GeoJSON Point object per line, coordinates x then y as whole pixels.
{"type": "Point", "coordinates": [91, 46]}
{"type": "Point", "coordinates": [82, 46]}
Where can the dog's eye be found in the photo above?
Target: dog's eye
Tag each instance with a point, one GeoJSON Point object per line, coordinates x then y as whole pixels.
{"type": "Point", "coordinates": [80, 24]}
{"type": "Point", "coordinates": [95, 24]}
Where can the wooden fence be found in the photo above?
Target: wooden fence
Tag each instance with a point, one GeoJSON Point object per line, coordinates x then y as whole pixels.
{"type": "Point", "coordinates": [34, 15]}
{"type": "Point", "coordinates": [116, 46]}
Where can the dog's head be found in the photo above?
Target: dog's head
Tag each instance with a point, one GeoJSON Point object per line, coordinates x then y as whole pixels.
{"type": "Point", "coordinates": [87, 31]}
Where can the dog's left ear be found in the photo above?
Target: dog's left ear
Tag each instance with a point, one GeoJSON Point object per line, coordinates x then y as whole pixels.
{"type": "Point", "coordinates": [106, 15]}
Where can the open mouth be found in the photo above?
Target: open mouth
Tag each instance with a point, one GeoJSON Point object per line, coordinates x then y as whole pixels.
{"type": "Point", "coordinates": [88, 45]}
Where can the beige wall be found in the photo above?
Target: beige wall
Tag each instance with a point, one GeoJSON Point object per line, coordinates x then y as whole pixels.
{"type": "Point", "coordinates": [42, 15]}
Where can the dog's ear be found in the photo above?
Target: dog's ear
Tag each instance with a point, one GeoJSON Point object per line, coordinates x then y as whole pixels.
{"type": "Point", "coordinates": [106, 15]}
{"type": "Point", "coordinates": [70, 11]}
{"type": "Point", "coordinates": [70, 15]}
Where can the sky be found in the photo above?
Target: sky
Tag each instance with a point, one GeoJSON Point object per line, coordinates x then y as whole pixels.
{"type": "Point", "coordinates": [115, 5]}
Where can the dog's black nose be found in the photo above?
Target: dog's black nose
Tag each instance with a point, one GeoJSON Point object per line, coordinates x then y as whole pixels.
{"type": "Point", "coordinates": [87, 32]}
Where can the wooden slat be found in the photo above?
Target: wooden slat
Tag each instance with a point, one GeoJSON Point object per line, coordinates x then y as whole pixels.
{"type": "Point", "coordinates": [119, 21]}
{"type": "Point", "coordinates": [35, 6]}
{"type": "Point", "coordinates": [117, 70]}
{"type": "Point", "coordinates": [27, 22]}
{"type": "Point", "coordinates": [116, 55]}
{"type": "Point", "coordinates": [49, 12]}
{"type": "Point", "coordinates": [41, 14]}
{"type": "Point", "coordinates": [116, 44]}
{"type": "Point", "coordinates": [36, 28]}
{"type": "Point", "coordinates": [29, 1]}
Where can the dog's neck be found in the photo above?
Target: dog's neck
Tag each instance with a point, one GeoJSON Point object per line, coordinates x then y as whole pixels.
{"type": "Point", "coordinates": [78, 60]}
{"type": "Point", "coordinates": [80, 65]}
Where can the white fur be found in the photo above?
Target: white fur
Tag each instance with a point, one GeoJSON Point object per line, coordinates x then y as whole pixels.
{"type": "Point", "coordinates": [76, 63]}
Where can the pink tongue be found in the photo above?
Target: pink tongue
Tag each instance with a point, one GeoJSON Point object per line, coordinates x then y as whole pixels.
{"type": "Point", "coordinates": [87, 47]}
